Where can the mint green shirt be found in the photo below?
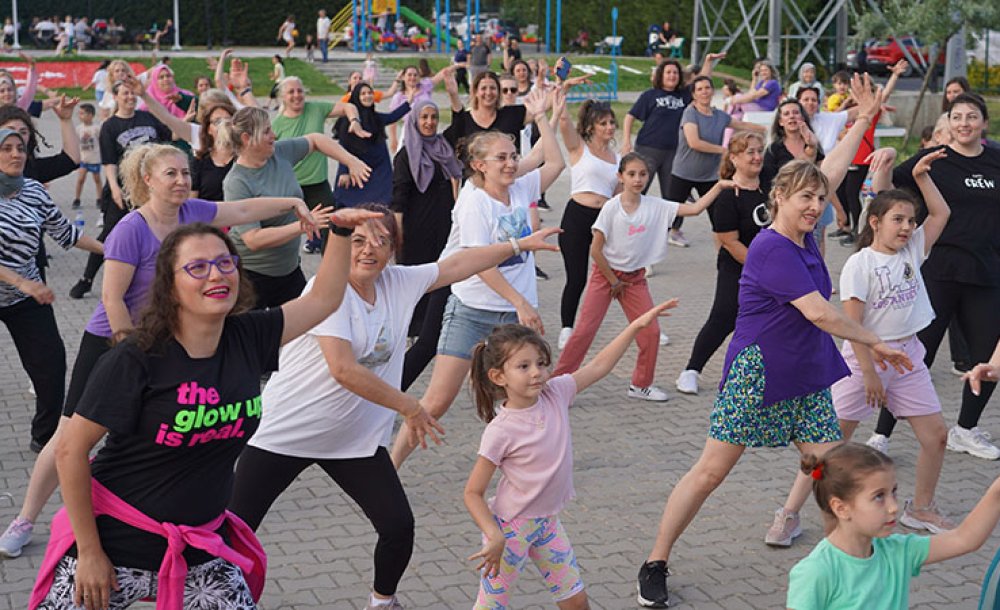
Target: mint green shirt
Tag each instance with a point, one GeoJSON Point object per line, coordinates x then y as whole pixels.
{"type": "Point", "coordinates": [830, 579]}
{"type": "Point", "coordinates": [312, 169]}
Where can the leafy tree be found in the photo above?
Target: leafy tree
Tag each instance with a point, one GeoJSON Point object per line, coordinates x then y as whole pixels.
{"type": "Point", "coordinates": [936, 21]}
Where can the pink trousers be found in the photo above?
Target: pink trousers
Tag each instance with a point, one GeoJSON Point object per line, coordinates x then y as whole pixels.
{"type": "Point", "coordinates": [635, 301]}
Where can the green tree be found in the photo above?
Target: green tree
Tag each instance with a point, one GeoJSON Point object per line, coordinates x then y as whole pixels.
{"type": "Point", "coordinates": [936, 21]}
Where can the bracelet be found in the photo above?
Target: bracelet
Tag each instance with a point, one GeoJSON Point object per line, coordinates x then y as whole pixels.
{"type": "Point", "coordinates": [341, 231]}
{"type": "Point", "coordinates": [245, 91]}
{"type": "Point", "coordinates": [355, 120]}
{"type": "Point", "coordinates": [515, 245]}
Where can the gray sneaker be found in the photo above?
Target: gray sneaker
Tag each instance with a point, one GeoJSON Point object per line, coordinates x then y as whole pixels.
{"type": "Point", "coordinates": [16, 537]}
{"type": "Point", "coordinates": [786, 527]}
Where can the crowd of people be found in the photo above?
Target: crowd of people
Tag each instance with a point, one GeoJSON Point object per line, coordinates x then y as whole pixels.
{"type": "Point", "coordinates": [428, 232]}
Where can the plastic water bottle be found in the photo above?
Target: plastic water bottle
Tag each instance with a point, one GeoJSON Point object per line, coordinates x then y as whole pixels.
{"type": "Point", "coordinates": [79, 221]}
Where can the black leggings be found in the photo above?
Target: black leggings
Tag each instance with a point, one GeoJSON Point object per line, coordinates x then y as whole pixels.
{"type": "Point", "coordinates": [275, 291]}
{"type": "Point", "coordinates": [680, 190]}
{"type": "Point", "coordinates": [850, 195]}
{"type": "Point", "coordinates": [36, 338]}
{"type": "Point", "coordinates": [574, 244]}
{"type": "Point", "coordinates": [112, 214]}
{"type": "Point", "coordinates": [425, 347]}
{"type": "Point", "coordinates": [975, 309]}
{"type": "Point", "coordinates": [314, 194]}
{"type": "Point", "coordinates": [92, 347]}
{"type": "Point", "coordinates": [372, 482]}
{"type": "Point", "coordinates": [721, 319]}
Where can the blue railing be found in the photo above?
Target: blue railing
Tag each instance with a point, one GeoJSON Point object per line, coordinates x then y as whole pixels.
{"type": "Point", "coordinates": [597, 91]}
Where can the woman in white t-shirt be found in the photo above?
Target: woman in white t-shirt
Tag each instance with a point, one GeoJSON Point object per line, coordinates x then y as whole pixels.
{"type": "Point", "coordinates": [493, 206]}
{"type": "Point", "coordinates": [882, 289]}
{"type": "Point", "coordinates": [99, 81]}
{"type": "Point", "coordinates": [335, 398]}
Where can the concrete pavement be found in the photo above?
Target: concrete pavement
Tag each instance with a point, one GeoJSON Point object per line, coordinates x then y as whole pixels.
{"type": "Point", "coordinates": [628, 456]}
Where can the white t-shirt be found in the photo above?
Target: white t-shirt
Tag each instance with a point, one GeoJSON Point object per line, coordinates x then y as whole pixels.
{"type": "Point", "coordinates": [90, 147]}
{"type": "Point", "coordinates": [322, 27]}
{"type": "Point", "coordinates": [306, 413]}
{"type": "Point", "coordinates": [637, 240]}
{"type": "Point", "coordinates": [827, 127]}
{"type": "Point", "coordinates": [480, 220]}
{"type": "Point", "coordinates": [891, 287]}
{"type": "Point", "coordinates": [100, 79]}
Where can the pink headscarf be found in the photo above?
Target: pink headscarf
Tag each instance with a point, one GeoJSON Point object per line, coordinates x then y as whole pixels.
{"type": "Point", "coordinates": [152, 85]}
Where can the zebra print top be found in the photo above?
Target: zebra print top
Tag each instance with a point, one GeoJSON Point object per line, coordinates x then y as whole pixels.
{"type": "Point", "coordinates": [23, 218]}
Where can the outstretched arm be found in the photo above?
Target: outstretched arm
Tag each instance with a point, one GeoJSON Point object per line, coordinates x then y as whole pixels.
{"type": "Point", "coordinates": [606, 359]}
{"type": "Point", "coordinates": [706, 200]}
{"type": "Point", "coordinates": [469, 261]}
{"type": "Point", "coordinates": [972, 532]}
{"type": "Point", "coordinates": [839, 159]}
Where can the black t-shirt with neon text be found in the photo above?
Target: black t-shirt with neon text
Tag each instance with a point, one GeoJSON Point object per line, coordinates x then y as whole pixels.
{"type": "Point", "coordinates": [176, 425]}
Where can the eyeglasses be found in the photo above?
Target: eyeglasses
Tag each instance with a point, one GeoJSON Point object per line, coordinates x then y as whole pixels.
{"type": "Point", "coordinates": [508, 89]}
{"type": "Point", "coordinates": [512, 157]}
{"type": "Point", "coordinates": [200, 269]}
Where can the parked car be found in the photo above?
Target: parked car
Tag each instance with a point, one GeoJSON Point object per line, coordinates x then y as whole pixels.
{"type": "Point", "coordinates": [882, 55]}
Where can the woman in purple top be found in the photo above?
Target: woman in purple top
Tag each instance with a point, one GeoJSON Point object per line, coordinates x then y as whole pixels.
{"type": "Point", "coordinates": [157, 180]}
{"type": "Point", "coordinates": [415, 85]}
{"type": "Point", "coordinates": [782, 360]}
{"type": "Point", "coordinates": [765, 91]}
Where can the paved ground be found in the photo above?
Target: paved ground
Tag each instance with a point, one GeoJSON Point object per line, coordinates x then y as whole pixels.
{"type": "Point", "coordinates": [629, 454]}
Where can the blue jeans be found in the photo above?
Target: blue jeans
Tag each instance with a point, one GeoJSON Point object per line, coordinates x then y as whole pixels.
{"type": "Point", "coordinates": [463, 326]}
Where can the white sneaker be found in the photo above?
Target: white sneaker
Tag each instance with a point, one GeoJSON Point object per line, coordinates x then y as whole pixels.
{"type": "Point", "coordinates": [664, 339]}
{"type": "Point", "coordinates": [972, 442]}
{"type": "Point", "coordinates": [651, 393]}
{"type": "Point", "coordinates": [564, 336]}
{"type": "Point", "coordinates": [879, 442]}
{"type": "Point", "coordinates": [649, 271]}
{"type": "Point", "coordinates": [985, 434]}
{"type": "Point", "coordinates": [687, 382]}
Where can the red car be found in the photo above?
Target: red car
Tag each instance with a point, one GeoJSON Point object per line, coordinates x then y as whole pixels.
{"type": "Point", "coordinates": [881, 55]}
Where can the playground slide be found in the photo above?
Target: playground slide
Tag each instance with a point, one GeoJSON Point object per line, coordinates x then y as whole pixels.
{"type": "Point", "coordinates": [413, 17]}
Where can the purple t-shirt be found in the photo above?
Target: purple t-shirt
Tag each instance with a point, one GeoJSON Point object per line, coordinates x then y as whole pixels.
{"type": "Point", "coordinates": [769, 101]}
{"type": "Point", "coordinates": [425, 91]}
{"type": "Point", "coordinates": [132, 242]}
{"type": "Point", "coordinates": [799, 358]}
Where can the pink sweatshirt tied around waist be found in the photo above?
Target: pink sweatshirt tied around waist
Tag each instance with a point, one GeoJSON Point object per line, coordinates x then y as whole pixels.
{"type": "Point", "coordinates": [246, 551]}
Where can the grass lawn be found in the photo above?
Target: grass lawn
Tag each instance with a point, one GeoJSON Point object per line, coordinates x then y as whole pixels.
{"type": "Point", "coordinates": [187, 68]}
{"type": "Point", "coordinates": [627, 79]}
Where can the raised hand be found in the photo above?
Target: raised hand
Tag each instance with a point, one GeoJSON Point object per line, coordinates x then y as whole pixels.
{"type": "Point", "coordinates": [868, 99]}
{"type": "Point", "coordinates": [64, 107]}
{"type": "Point", "coordinates": [658, 311]}
{"type": "Point", "coordinates": [534, 102]}
{"type": "Point", "coordinates": [536, 241]}
{"type": "Point", "coordinates": [881, 159]}
{"type": "Point", "coordinates": [924, 164]}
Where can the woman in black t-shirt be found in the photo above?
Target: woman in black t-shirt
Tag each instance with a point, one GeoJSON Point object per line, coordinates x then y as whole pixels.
{"type": "Point", "coordinates": [178, 399]}
{"type": "Point", "coordinates": [126, 128]}
{"type": "Point", "coordinates": [962, 271]}
{"type": "Point", "coordinates": [212, 161]}
{"type": "Point", "coordinates": [737, 216]}
{"type": "Point", "coordinates": [425, 177]}
{"type": "Point", "coordinates": [486, 113]}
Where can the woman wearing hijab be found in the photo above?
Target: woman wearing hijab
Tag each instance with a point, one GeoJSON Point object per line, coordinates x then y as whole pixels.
{"type": "Point", "coordinates": [371, 149]}
{"type": "Point", "coordinates": [164, 89]}
{"type": "Point", "coordinates": [26, 211]}
{"type": "Point", "coordinates": [425, 179]}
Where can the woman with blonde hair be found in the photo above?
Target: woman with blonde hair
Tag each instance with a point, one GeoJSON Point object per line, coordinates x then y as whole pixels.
{"type": "Point", "coordinates": [494, 206]}
{"type": "Point", "coordinates": [264, 167]}
{"type": "Point", "coordinates": [157, 181]}
{"type": "Point", "coordinates": [783, 328]}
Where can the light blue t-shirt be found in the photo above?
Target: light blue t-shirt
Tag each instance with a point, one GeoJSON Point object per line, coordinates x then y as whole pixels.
{"type": "Point", "coordinates": [830, 579]}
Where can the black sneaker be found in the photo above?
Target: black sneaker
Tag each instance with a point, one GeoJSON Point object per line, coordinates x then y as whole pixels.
{"type": "Point", "coordinates": [76, 204]}
{"type": "Point", "coordinates": [850, 240]}
{"type": "Point", "coordinates": [81, 288]}
{"type": "Point", "coordinates": [838, 233]}
{"type": "Point", "coordinates": [544, 205]}
{"type": "Point", "coordinates": [653, 584]}
{"type": "Point", "coordinates": [540, 274]}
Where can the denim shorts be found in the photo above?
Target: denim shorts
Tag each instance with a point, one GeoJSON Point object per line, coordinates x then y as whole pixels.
{"type": "Point", "coordinates": [463, 326]}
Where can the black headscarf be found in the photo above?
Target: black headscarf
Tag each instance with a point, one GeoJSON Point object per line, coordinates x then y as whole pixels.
{"type": "Point", "coordinates": [370, 122]}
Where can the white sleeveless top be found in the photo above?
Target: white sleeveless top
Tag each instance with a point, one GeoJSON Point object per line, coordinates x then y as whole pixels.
{"type": "Point", "coordinates": [591, 174]}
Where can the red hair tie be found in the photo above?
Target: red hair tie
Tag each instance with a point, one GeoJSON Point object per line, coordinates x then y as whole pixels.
{"type": "Point", "coordinates": [817, 472]}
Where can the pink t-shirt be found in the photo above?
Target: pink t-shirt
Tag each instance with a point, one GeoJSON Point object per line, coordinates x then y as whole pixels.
{"type": "Point", "coordinates": [533, 449]}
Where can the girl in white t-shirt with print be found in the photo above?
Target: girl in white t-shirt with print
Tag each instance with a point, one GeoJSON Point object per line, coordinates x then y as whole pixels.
{"type": "Point", "coordinates": [630, 234]}
{"type": "Point", "coordinates": [882, 289]}
{"type": "Point", "coordinates": [528, 439]}
{"type": "Point", "coordinates": [493, 206]}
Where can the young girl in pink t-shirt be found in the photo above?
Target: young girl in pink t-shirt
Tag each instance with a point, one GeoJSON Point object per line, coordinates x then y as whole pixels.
{"type": "Point", "coordinates": [528, 439]}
